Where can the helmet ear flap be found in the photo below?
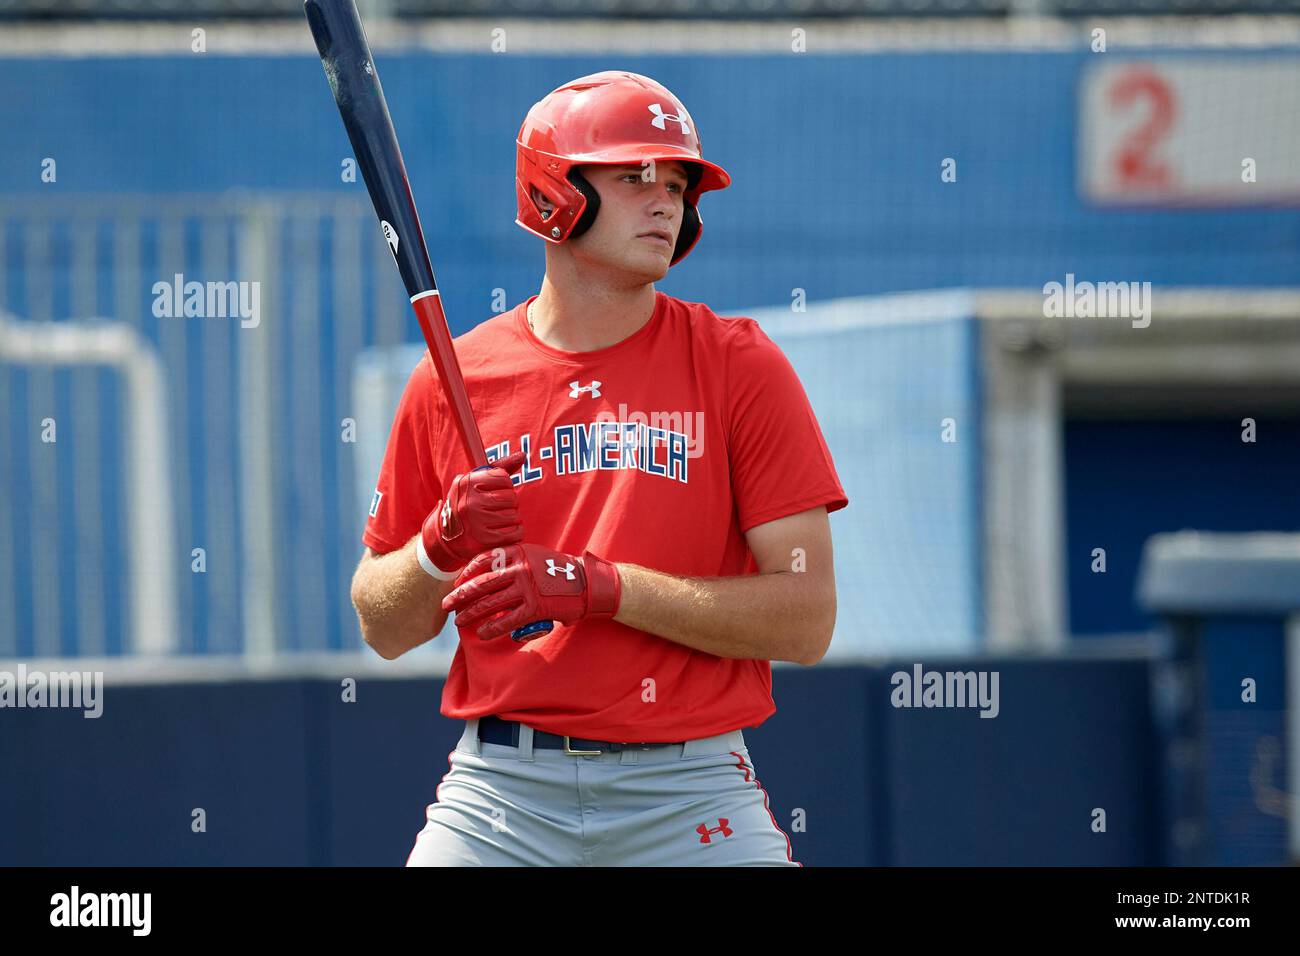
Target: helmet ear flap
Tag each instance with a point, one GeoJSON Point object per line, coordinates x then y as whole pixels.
{"type": "Point", "coordinates": [593, 203]}
{"type": "Point", "coordinates": [689, 232]}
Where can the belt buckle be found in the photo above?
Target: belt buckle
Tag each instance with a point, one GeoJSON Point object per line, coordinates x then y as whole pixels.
{"type": "Point", "coordinates": [579, 753]}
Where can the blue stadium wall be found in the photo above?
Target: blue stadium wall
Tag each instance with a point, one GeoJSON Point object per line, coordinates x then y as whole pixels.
{"type": "Point", "coordinates": [287, 773]}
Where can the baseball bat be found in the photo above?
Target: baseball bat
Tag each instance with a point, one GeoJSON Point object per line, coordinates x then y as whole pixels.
{"type": "Point", "coordinates": [354, 81]}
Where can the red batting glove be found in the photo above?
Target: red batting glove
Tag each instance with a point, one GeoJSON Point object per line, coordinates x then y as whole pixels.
{"type": "Point", "coordinates": [535, 583]}
{"type": "Point", "coordinates": [479, 513]}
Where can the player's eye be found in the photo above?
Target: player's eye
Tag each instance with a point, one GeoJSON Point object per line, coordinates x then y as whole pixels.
{"type": "Point", "coordinates": [673, 186]}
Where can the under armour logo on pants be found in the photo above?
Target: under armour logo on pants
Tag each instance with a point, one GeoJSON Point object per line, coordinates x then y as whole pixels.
{"type": "Point", "coordinates": [705, 831]}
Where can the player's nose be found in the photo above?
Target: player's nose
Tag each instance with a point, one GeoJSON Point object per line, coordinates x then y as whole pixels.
{"type": "Point", "coordinates": [663, 199]}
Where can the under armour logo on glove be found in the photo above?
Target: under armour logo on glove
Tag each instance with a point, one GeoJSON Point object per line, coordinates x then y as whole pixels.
{"type": "Point", "coordinates": [536, 584]}
{"type": "Point", "coordinates": [575, 389]}
{"type": "Point", "coordinates": [660, 120]}
{"type": "Point", "coordinates": [446, 515]}
{"type": "Point", "coordinates": [552, 569]}
{"type": "Point", "coordinates": [705, 831]}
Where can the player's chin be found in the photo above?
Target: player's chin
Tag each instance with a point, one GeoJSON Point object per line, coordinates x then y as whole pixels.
{"type": "Point", "coordinates": [648, 264]}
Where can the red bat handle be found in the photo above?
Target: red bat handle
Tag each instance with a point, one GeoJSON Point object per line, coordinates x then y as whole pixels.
{"type": "Point", "coordinates": [429, 313]}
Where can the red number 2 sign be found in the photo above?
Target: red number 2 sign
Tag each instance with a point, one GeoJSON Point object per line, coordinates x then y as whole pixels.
{"type": "Point", "coordinates": [1135, 163]}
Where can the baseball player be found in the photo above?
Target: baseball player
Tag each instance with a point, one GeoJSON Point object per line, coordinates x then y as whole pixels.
{"type": "Point", "coordinates": [659, 493]}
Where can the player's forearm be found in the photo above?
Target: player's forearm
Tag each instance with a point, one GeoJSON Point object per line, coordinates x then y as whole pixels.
{"type": "Point", "coordinates": [782, 615]}
{"type": "Point", "coordinates": [398, 605]}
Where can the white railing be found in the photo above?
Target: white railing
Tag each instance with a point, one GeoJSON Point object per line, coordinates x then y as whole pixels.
{"type": "Point", "coordinates": [149, 520]}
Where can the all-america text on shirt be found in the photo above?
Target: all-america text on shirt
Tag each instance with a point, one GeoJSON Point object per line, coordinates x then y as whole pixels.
{"type": "Point", "coordinates": [661, 450]}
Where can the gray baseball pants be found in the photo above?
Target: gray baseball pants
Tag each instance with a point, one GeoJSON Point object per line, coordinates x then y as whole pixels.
{"type": "Point", "coordinates": [692, 804]}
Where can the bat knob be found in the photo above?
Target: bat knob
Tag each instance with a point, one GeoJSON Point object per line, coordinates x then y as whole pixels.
{"type": "Point", "coordinates": [525, 633]}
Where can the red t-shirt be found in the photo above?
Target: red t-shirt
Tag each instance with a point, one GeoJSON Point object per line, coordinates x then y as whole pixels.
{"type": "Point", "coordinates": [719, 437]}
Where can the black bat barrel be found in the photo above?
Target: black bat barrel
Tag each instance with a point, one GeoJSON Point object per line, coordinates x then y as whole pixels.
{"type": "Point", "coordinates": [354, 80]}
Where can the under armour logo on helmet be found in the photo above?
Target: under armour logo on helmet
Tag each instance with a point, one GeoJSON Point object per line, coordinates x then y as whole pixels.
{"type": "Point", "coordinates": [553, 569]}
{"type": "Point", "coordinates": [661, 118]}
{"type": "Point", "coordinates": [704, 830]}
{"type": "Point", "coordinates": [575, 389]}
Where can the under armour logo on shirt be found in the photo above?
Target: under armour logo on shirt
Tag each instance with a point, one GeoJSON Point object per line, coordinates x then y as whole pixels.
{"type": "Point", "coordinates": [553, 569]}
{"type": "Point", "coordinates": [661, 118]}
{"type": "Point", "coordinates": [575, 389]}
{"type": "Point", "coordinates": [704, 830]}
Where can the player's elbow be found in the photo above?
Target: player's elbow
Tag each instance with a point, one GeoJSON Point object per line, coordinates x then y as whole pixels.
{"type": "Point", "coordinates": [373, 636]}
{"type": "Point", "coordinates": [815, 651]}
{"type": "Point", "coordinates": [376, 641]}
{"type": "Point", "coordinates": [376, 635]}
{"type": "Point", "coordinates": [380, 636]}
{"type": "Point", "coordinates": [817, 637]}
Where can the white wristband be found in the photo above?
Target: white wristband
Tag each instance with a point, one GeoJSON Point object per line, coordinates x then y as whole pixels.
{"type": "Point", "coordinates": [427, 563]}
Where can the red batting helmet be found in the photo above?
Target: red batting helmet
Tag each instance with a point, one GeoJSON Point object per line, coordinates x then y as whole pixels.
{"type": "Point", "coordinates": [611, 118]}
